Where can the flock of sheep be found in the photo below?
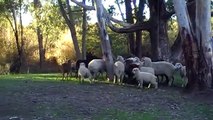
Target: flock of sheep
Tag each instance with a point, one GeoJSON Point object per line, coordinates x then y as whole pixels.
{"type": "Point", "coordinates": [130, 71]}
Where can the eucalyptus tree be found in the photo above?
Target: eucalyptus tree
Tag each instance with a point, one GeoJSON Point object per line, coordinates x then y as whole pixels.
{"type": "Point", "coordinates": [11, 10]}
{"type": "Point", "coordinates": [105, 42]}
{"type": "Point", "coordinates": [196, 43]}
{"type": "Point", "coordinates": [51, 25]}
{"type": "Point", "coordinates": [156, 25]}
{"type": "Point", "coordinates": [84, 31]}
{"type": "Point", "coordinates": [67, 13]}
{"type": "Point", "coordinates": [129, 19]}
{"type": "Point", "coordinates": [37, 14]}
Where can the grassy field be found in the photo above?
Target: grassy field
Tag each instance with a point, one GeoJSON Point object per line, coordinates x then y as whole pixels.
{"type": "Point", "coordinates": [45, 96]}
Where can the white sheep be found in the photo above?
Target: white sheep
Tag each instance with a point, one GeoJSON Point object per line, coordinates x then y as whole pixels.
{"type": "Point", "coordinates": [119, 69]}
{"type": "Point", "coordinates": [161, 68]}
{"type": "Point", "coordinates": [147, 69]}
{"type": "Point", "coordinates": [144, 77]}
{"type": "Point", "coordinates": [120, 58]}
{"type": "Point", "coordinates": [182, 72]}
{"type": "Point", "coordinates": [96, 66]}
{"type": "Point", "coordinates": [83, 72]}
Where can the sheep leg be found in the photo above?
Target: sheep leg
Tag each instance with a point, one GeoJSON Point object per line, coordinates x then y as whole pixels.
{"type": "Point", "coordinates": [155, 84]}
{"type": "Point", "coordinates": [141, 84]}
{"type": "Point", "coordinates": [171, 80]}
{"type": "Point", "coordinates": [121, 79]}
{"type": "Point", "coordinates": [62, 76]}
{"type": "Point", "coordinates": [149, 85]}
{"type": "Point", "coordinates": [115, 78]}
{"type": "Point", "coordinates": [185, 81]}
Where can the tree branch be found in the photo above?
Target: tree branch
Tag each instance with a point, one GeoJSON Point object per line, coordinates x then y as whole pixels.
{"type": "Point", "coordinates": [132, 28]}
{"type": "Point", "coordinates": [63, 12]}
{"type": "Point", "coordinates": [168, 15]}
{"type": "Point", "coordinates": [83, 5]}
{"type": "Point", "coordinates": [109, 17]}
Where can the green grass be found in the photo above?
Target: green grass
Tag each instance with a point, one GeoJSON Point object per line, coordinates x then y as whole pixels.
{"type": "Point", "coordinates": [18, 88]}
{"type": "Point", "coordinates": [204, 110]}
{"type": "Point", "coordinates": [177, 80]}
{"type": "Point", "coordinates": [115, 114]}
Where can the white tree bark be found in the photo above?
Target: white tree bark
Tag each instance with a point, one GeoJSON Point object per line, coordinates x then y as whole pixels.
{"type": "Point", "coordinates": [182, 14]}
{"type": "Point", "coordinates": [105, 42]}
{"type": "Point", "coordinates": [203, 31]}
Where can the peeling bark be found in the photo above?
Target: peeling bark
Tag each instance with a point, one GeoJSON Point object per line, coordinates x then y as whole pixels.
{"type": "Point", "coordinates": [105, 42]}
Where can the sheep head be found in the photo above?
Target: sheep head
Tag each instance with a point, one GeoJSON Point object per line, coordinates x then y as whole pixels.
{"type": "Point", "coordinates": [82, 64]}
{"type": "Point", "coordinates": [120, 58]}
{"type": "Point", "coordinates": [178, 65]}
{"type": "Point", "coordinates": [135, 70]}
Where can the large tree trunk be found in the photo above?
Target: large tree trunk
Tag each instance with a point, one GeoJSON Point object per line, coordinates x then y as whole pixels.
{"type": "Point", "coordinates": [139, 16]}
{"type": "Point", "coordinates": [138, 44]}
{"type": "Point", "coordinates": [189, 42]}
{"type": "Point", "coordinates": [154, 31]}
{"type": "Point", "coordinates": [37, 6]}
{"type": "Point", "coordinates": [71, 24]}
{"type": "Point", "coordinates": [22, 56]}
{"type": "Point", "coordinates": [203, 33]}
{"type": "Point", "coordinates": [84, 31]}
{"type": "Point", "coordinates": [105, 42]}
{"type": "Point", "coordinates": [192, 45]}
{"type": "Point", "coordinates": [17, 62]}
{"type": "Point", "coordinates": [158, 33]}
{"type": "Point", "coordinates": [129, 19]}
{"type": "Point", "coordinates": [176, 49]}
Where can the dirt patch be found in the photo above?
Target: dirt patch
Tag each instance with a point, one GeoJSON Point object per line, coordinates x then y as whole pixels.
{"type": "Point", "coordinates": [65, 100]}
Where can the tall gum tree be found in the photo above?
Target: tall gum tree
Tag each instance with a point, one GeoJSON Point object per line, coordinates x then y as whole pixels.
{"type": "Point", "coordinates": [197, 52]}
{"type": "Point", "coordinates": [37, 7]}
{"type": "Point", "coordinates": [156, 26]}
{"type": "Point", "coordinates": [105, 42]}
{"type": "Point", "coordinates": [11, 10]}
{"type": "Point", "coordinates": [102, 17]}
{"type": "Point", "coordinates": [68, 16]}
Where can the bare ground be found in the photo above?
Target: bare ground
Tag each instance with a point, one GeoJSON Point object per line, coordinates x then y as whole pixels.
{"type": "Point", "coordinates": [67, 101]}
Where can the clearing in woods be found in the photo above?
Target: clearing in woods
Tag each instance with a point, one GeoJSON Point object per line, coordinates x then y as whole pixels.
{"type": "Point", "coordinates": [43, 97]}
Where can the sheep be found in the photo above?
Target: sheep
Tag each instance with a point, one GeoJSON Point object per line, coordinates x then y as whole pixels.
{"type": "Point", "coordinates": [96, 66]}
{"type": "Point", "coordinates": [120, 58]}
{"type": "Point", "coordinates": [77, 65]}
{"type": "Point", "coordinates": [119, 69]}
{"type": "Point", "coordinates": [147, 69]}
{"type": "Point", "coordinates": [142, 77]}
{"type": "Point", "coordinates": [182, 72]}
{"type": "Point", "coordinates": [83, 72]}
{"type": "Point", "coordinates": [161, 68]}
{"type": "Point", "coordinates": [129, 65]}
{"type": "Point", "coordinates": [66, 69]}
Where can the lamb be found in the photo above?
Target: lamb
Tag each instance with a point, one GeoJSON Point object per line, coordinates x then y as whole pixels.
{"type": "Point", "coordinates": [66, 69]}
{"type": "Point", "coordinates": [142, 77]}
{"type": "Point", "coordinates": [96, 66]}
{"type": "Point", "coordinates": [182, 72]}
{"type": "Point", "coordinates": [161, 68]}
{"type": "Point", "coordinates": [119, 69]}
{"type": "Point", "coordinates": [83, 72]}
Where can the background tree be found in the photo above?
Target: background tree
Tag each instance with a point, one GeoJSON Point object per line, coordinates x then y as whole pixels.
{"type": "Point", "coordinates": [11, 10]}
{"type": "Point", "coordinates": [37, 13]}
{"type": "Point", "coordinates": [68, 16]}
